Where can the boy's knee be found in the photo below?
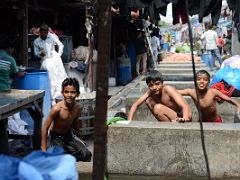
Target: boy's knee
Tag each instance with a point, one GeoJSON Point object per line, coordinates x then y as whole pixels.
{"type": "Point", "coordinates": [158, 109]}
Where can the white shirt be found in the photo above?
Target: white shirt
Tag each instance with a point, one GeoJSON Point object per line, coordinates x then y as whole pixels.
{"type": "Point", "coordinates": [155, 43]}
{"type": "Point", "coordinates": [47, 45]}
{"type": "Point", "coordinates": [211, 39]}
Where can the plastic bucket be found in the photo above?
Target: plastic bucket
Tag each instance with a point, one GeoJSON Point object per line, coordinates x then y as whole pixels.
{"type": "Point", "coordinates": [35, 79]}
{"type": "Point", "coordinates": [124, 72]}
{"type": "Point", "coordinates": [124, 75]}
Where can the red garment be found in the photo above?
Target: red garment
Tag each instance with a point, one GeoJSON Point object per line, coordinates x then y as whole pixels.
{"type": "Point", "coordinates": [221, 87]}
{"type": "Point", "coordinates": [220, 42]}
{"type": "Point", "coordinates": [218, 120]}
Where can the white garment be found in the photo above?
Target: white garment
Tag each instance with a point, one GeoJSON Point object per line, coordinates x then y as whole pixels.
{"type": "Point", "coordinates": [52, 62]}
{"type": "Point", "coordinates": [233, 62]}
{"type": "Point", "coordinates": [155, 43]}
{"type": "Point", "coordinates": [210, 37]}
{"type": "Point", "coordinates": [16, 125]}
{"type": "Point", "coordinates": [47, 45]}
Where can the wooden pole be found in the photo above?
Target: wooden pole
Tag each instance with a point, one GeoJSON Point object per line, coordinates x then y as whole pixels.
{"type": "Point", "coordinates": [25, 34]}
{"type": "Point", "coordinates": [90, 60]}
{"type": "Point", "coordinates": [104, 20]}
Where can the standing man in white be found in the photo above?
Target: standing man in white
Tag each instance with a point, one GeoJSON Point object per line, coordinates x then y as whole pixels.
{"type": "Point", "coordinates": [155, 43]}
{"type": "Point", "coordinates": [211, 39]}
{"type": "Point", "coordinates": [44, 48]}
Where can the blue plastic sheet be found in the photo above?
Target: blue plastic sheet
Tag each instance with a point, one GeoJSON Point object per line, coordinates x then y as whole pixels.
{"type": "Point", "coordinates": [229, 75]}
{"type": "Point", "coordinates": [51, 165]}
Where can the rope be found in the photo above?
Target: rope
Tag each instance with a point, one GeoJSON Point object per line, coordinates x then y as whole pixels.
{"type": "Point", "coordinates": [198, 103]}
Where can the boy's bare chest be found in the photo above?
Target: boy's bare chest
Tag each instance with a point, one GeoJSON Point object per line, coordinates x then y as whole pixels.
{"type": "Point", "coordinates": [165, 100]}
{"type": "Point", "coordinates": [207, 101]}
{"type": "Point", "coordinates": [66, 115]}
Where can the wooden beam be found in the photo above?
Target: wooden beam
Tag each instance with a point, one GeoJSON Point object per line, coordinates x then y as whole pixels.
{"type": "Point", "coordinates": [100, 128]}
{"type": "Point", "coordinates": [25, 34]}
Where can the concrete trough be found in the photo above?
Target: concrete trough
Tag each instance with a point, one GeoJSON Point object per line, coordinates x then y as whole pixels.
{"type": "Point", "coordinates": [178, 77]}
{"type": "Point", "coordinates": [227, 111]}
{"type": "Point", "coordinates": [173, 149]}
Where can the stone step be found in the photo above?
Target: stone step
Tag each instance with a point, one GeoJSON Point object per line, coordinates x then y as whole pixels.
{"type": "Point", "coordinates": [180, 62]}
{"type": "Point", "coordinates": [180, 70]}
{"type": "Point", "coordinates": [180, 65]}
{"type": "Point", "coordinates": [181, 76]}
{"type": "Point", "coordinates": [177, 84]}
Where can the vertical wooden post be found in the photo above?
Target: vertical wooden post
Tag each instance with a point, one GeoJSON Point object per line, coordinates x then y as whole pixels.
{"type": "Point", "coordinates": [104, 16]}
{"type": "Point", "coordinates": [114, 49]}
{"type": "Point", "coordinates": [25, 34]}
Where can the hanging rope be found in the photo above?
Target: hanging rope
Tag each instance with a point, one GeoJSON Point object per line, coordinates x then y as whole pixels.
{"type": "Point", "coordinates": [197, 92]}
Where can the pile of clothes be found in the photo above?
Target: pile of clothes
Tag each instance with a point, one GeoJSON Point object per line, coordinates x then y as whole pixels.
{"type": "Point", "coordinates": [227, 78]}
{"type": "Point", "coordinates": [181, 57]}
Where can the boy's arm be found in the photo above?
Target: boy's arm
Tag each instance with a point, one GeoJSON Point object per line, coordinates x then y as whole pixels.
{"type": "Point", "coordinates": [136, 105]}
{"type": "Point", "coordinates": [185, 92]}
{"type": "Point", "coordinates": [226, 98]}
{"type": "Point", "coordinates": [52, 115]}
{"type": "Point", "coordinates": [179, 99]}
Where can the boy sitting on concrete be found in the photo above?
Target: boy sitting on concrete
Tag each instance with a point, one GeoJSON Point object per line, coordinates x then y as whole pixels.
{"type": "Point", "coordinates": [62, 118]}
{"type": "Point", "coordinates": [165, 103]}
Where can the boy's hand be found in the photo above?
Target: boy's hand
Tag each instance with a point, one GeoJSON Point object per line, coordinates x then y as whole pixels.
{"type": "Point", "coordinates": [181, 120]}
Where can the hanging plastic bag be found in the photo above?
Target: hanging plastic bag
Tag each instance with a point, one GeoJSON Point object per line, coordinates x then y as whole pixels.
{"type": "Point", "coordinates": [229, 75]}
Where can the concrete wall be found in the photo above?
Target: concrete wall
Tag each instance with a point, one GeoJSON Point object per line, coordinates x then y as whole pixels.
{"type": "Point", "coordinates": [227, 111]}
{"type": "Point", "coordinates": [173, 149]}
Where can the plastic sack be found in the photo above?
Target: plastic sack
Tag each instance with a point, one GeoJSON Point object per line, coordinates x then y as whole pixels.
{"type": "Point", "coordinates": [53, 164]}
{"type": "Point", "coordinates": [38, 165]}
{"type": "Point", "coordinates": [229, 75]}
{"type": "Point", "coordinates": [81, 53]}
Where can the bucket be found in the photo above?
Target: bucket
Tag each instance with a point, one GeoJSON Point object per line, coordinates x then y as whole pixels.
{"type": "Point", "coordinates": [124, 73]}
{"type": "Point", "coordinates": [35, 79]}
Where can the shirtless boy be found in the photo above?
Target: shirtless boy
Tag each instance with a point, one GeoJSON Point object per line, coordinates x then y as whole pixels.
{"type": "Point", "coordinates": [207, 97]}
{"type": "Point", "coordinates": [62, 118]}
{"type": "Point", "coordinates": [163, 101]}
